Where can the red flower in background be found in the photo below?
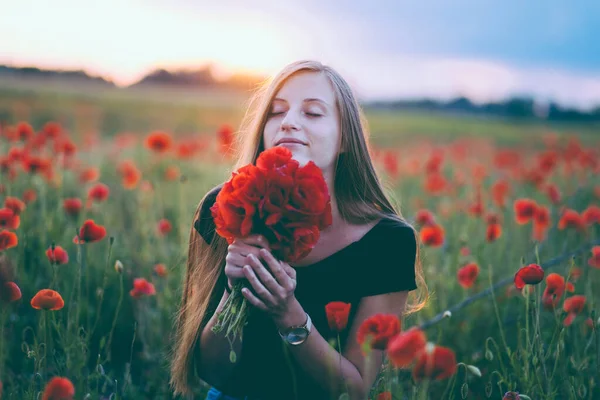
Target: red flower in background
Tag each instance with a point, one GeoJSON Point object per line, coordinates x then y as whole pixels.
{"type": "Point", "coordinates": [160, 270]}
{"type": "Point", "coordinates": [511, 396]}
{"type": "Point", "coordinates": [594, 260]}
{"type": "Point", "coordinates": [555, 288]}
{"type": "Point", "coordinates": [99, 192]}
{"type": "Point", "coordinates": [59, 388]}
{"type": "Point", "coordinates": [432, 235]}
{"type": "Point", "coordinates": [10, 292]}
{"type": "Point", "coordinates": [531, 274]}
{"type": "Point", "coordinates": [438, 363]}
{"type": "Point", "coordinates": [24, 131]}
{"type": "Point", "coordinates": [500, 191]}
{"type": "Point", "coordinates": [164, 226]}
{"type": "Point", "coordinates": [337, 315]}
{"type": "Point", "coordinates": [7, 240]}
{"type": "Point", "coordinates": [571, 219]}
{"type": "Point", "coordinates": [72, 206]}
{"type": "Point", "coordinates": [591, 215]}
{"type": "Point", "coordinates": [424, 217]}
{"type": "Point", "coordinates": [404, 347]}
{"type": "Point", "coordinates": [159, 142]}
{"type": "Point", "coordinates": [573, 306]}
{"type": "Point", "coordinates": [384, 396]}
{"type": "Point", "coordinates": [90, 232]}
{"type": "Point", "coordinates": [47, 299]}
{"type": "Point", "coordinates": [172, 173]}
{"type": "Point", "coordinates": [141, 287]}
{"type": "Point", "coordinates": [493, 232]}
{"type": "Point", "coordinates": [225, 139]}
{"type": "Point", "coordinates": [377, 330]}
{"type": "Point", "coordinates": [524, 210]}
{"type": "Point", "coordinates": [58, 256]}
{"type": "Point", "coordinates": [130, 174]}
{"type": "Point", "coordinates": [8, 219]}
{"type": "Point", "coordinates": [467, 275]}
{"type": "Point", "coordinates": [14, 204]}
{"type": "Point", "coordinates": [29, 196]}
{"type": "Point", "coordinates": [435, 183]}
{"type": "Point", "coordinates": [88, 175]}
{"type": "Point", "coordinates": [553, 193]}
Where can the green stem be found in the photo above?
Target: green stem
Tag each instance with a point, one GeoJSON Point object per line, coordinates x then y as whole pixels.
{"type": "Point", "coordinates": [114, 323]}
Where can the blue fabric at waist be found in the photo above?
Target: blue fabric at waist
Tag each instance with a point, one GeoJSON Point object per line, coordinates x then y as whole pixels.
{"type": "Point", "coordinates": [216, 394]}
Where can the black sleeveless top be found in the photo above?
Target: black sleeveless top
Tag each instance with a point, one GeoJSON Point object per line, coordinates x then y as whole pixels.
{"type": "Point", "coordinates": [382, 261]}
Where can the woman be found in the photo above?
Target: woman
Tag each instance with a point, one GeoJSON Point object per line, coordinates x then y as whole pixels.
{"type": "Point", "coordinates": [368, 258]}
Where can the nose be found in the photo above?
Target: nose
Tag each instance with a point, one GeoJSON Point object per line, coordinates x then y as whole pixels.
{"type": "Point", "coordinates": [289, 123]}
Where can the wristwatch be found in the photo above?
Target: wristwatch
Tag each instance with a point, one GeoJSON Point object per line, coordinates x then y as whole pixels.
{"type": "Point", "coordinates": [296, 335]}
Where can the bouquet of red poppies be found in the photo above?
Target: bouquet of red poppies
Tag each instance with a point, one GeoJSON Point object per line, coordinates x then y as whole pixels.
{"type": "Point", "coordinates": [289, 205]}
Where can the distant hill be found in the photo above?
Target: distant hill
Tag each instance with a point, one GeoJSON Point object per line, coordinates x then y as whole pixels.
{"type": "Point", "coordinates": [199, 78]}
{"type": "Point", "coordinates": [33, 72]}
{"type": "Point", "coordinates": [204, 78]}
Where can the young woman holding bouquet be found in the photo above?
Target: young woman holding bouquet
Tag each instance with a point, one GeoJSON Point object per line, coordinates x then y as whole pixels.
{"type": "Point", "coordinates": [358, 252]}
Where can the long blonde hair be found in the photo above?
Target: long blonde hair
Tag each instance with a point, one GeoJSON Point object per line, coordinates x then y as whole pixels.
{"type": "Point", "coordinates": [357, 189]}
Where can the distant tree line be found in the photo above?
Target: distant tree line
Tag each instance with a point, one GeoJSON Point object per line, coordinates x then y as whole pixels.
{"type": "Point", "coordinates": [201, 78]}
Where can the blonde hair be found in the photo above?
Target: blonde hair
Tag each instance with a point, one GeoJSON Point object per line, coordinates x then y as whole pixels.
{"type": "Point", "coordinates": [357, 190]}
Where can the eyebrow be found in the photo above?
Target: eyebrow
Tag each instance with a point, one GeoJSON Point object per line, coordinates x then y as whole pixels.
{"type": "Point", "coordinates": [308, 100]}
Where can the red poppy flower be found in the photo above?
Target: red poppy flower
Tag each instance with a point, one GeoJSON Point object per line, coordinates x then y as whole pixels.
{"type": "Point", "coordinates": [384, 396]}
{"type": "Point", "coordinates": [225, 138]}
{"type": "Point", "coordinates": [10, 292]}
{"type": "Point", "coordinates": [8, 219]}
{"type": "Point", "coordinates": [435, 362]}
{"type": "Point", "coordinates": [591, 215]}
{"type": "Point", "coordinates": [72, 206]}
{"type": "Point", "coordinates": [88, 175]}
{"type": "Point", "coordinates": [141, 287]}
{"type": "Point", "coordinates": [424, 217]}
{"type": "Point", "coordinates": [7, 240]}
{"type": "Point", "coordinates": [159, 142]}
{"type": "Point", "coordinates": [130, 174]}
{"type": "Point", "coordinates": [24, 131]}
{"type": "Point", "coordinates": [14, 204]}
{"type": "Point", "coordinates": [59, 388]}
{"type": "Point", "coordinates": [511, 396]}
{"type": "Point", "coordinates": [52, 129]}
{"type": "Point", "coordinates": [553, 193]}
{"type": "Point", "coordinates": [47, 299]}
{"type": "Point", "coordinates": [524, 210]}
{"type": "Point", "coordinates": [573, 306]}
{"type": "Point", "coordinates": [160, 270]}
{"type": "Point", "coordinates": [337, 315]}
{"type": "Point", "coordinates": [555, 288]}
{"type": "Point", "coordinates": [404, 347]}
{"type": "Point", "coordinates": [493, 232]}
{"type": "Point", "coordinates": [576, 274]}
{"type": "Point", "coordinates": [29, 196]}
{"type": "Point", "coordinates": [594, 260]}
{"type": "Point", "coordinates": [531, 274]}
{"type": "Point", "coordinates": [435, 183]}
{"type": "Point", "coordinates": [390, 163]}
{"type": "Point", "coordinates": [34, 165]}
{"type": "Point", "coordinates": [164, 226]}
{"type": "Point", "coordinates": [377, 330]}
{"type": "Point", "coordinates": [432, 235]}
{"type": "Point", "coordinates": [172, 173]}
{"type": "Point", "coordinates": [90, 232]}
{"type": "Point", "coordinates": [500, 191]}
{"type": "Point", "coordinates": [571, 219]}
{"type": "Point", "coordinates": [467, 275]}
{"type": "Point", "coordinates": [99, 192]}
{"type": "Point", "coordinates": [58, 256]}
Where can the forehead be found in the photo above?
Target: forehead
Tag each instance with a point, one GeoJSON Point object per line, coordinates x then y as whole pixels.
{"type": "Point", "coordinates": [307, 85]}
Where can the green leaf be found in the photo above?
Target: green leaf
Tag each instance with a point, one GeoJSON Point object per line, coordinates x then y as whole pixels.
{"type": "Point", "coordinates": [232, 357]}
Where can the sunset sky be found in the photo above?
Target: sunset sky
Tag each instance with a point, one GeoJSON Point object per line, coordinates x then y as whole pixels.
{"type": "Point", "coordinates": [485, 50]}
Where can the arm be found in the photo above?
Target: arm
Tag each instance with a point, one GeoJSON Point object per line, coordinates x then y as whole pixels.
{"type": "Point", "coordinates": [323, 362]}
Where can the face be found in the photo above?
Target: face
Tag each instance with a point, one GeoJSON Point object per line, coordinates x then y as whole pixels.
{"type": "Point", "coordinates": [304, 118]}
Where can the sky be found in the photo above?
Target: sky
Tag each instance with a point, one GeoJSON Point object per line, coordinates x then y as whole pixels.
{"type": "Point", "coordinates": [486, 50]}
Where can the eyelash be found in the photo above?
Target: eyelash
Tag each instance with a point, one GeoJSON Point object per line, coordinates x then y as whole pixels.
{"type": "Point", "coordinates": [312, 115]}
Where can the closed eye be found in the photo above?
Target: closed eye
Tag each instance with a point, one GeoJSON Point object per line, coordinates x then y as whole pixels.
{"type": "Point", "coordinates": [314, 115]}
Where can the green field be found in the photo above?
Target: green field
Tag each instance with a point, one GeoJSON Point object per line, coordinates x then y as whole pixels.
{"type": "Point", "coordinates": [111, 345]}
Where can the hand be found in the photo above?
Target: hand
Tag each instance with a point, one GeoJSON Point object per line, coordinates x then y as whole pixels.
{"type": "Point", "coordinates": [274, 288]}
{"type": "Point", "coordinates": [237, 256]}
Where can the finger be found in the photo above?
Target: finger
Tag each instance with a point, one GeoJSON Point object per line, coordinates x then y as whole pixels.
{"type": "Point", "coordinates": [255, 240]}
{"type": "Point", "coordinates": [234, 272]}
{"type": "Point", "coordinates": [283, 279]}
{"type": "Point", "coordinates": [261, 291]}
{"type": "Point", "coordinates": [266, 277]}
{"type": "Point", "coordinates": [255, 301]}
{"type": "Point", "coordinates": [290, 271]}
{"type": "Point", "coordinates": [243, 249]}
{"type": "Point", "coordinates": [236, 259]}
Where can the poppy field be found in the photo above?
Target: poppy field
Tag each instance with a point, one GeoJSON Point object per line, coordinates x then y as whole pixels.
{"type": "Point", "coordinates": [96, 202]}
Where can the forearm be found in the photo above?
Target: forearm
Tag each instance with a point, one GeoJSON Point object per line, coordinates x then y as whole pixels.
{"type": "Point", "coordinates": [214, 364]}
{"type": "Point", "coordinates": [325, 365]}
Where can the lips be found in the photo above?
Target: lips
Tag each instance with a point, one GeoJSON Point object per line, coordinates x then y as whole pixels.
{"type": "Point", "coordinates": [289, 140]}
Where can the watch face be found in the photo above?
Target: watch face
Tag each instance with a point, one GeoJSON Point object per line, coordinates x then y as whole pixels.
{"type": "Point", "coordinates": [296, 336]}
